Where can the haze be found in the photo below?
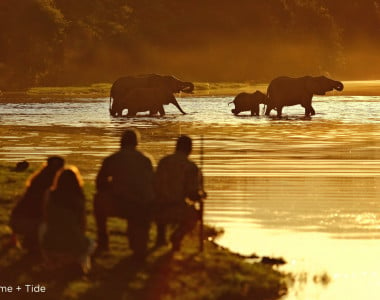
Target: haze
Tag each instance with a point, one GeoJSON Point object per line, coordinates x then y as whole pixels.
{"type": "Point", "coordinates": [70, 42]}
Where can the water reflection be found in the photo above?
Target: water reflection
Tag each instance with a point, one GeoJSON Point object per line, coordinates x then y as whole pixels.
{"type": "Point", "coordinates": [304, 189]}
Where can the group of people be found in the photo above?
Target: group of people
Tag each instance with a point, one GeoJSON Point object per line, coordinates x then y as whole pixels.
{"type": "Point", "coordinates": [51, 216]}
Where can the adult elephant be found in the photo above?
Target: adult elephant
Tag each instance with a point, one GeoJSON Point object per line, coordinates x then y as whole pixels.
{"type": "Point", "coordinates": [122, 86]}
{"type": "Point", "coordinates": [286, 91]}
{"type": "Point", "coordinates": [144, 99]}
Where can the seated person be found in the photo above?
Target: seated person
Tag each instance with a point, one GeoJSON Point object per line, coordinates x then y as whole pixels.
{"type": "Point", "coordinates": [178, 185]}
{"type": "Point", "coordinates": [63, 233]}
{"type": "Point", "coordinates": [27, 215]}
{"type": "Point", "coordinates": [125, 189]}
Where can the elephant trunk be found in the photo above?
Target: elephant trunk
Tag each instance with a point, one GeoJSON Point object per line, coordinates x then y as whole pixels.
{"type": "Point", "coordinates": [177, 105]}
{"type": "Point", "coordinates": [187, 87]}
{"type": "Point", "coordinates": [339, 86]}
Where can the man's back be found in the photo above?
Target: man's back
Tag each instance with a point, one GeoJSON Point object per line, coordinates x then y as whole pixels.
{"type": "Point", "coordinates": [127, 174]}
{"type": "Point", "coordinates": [125, 189]}
{"type": "Point", "coordinates": [177, 178]}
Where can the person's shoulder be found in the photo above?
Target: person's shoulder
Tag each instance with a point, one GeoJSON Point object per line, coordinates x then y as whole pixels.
{"type": "Point", "coordinates": [112, 156]}
{"type": "Point", "coordinates": [192, 164]}
{"type": "Point", "coordinates": [167, 158]}
{"type": "Point", "coordinates": [145, 156]}
{"type": "Point", "coordinates": [108, 159]}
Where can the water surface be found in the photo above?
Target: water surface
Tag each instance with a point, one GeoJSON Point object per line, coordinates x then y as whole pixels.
{"type": "Point", "coordinates": [303, 189]}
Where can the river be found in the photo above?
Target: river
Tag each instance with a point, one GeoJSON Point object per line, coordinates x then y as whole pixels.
{"type": "Point", "coordinates": [303, 189]}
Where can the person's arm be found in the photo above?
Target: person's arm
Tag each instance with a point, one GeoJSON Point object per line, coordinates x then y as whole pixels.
{"type": "Point", "coordinates": [149, 177]}
{"type": "Point", "coordinates": [102, 179]}
{"type": "Point", "coordinates": [202, 191]}
{"type": "Point", "coordinates": [194, 183]}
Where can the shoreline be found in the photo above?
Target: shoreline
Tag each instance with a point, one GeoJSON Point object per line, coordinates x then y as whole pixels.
{"type": "Point", "coordinates": [216, 273]}
{"type": "Point", "coordinates": [326, 146]}
{"type": "Point", "coordinates": [223, 89]}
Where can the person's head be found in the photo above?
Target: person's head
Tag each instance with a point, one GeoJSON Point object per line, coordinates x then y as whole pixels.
{"type": "Point", "coordinates": [129, 139]}
{"type": "Point", "coordinates": [184, 144]}
{"type": "Point", "coordinates": [55, 163]}
{"type": "Point", "coordinates": [67, 189]}
{"type": "Point", "coordinates": [46, 173]}
{"type": "Point", "coordinates": [69, 179]}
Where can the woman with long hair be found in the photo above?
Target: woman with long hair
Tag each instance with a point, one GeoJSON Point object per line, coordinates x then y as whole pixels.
{"type": "Point", "coordinates": [65, 219]}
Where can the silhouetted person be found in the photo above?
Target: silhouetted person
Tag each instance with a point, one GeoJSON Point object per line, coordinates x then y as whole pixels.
{"type": "Point", "coordinates": [125, 189]}
{"type": "Point", "coordinates": [63, 232]}
{"type": "Point", "coordinates": [27, 215]}
{"type": "Point", "coordinates": [177, 180]}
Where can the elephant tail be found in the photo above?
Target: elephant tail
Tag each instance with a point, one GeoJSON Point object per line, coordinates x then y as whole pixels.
{"type": "Point", "coordinates": [110, 108]}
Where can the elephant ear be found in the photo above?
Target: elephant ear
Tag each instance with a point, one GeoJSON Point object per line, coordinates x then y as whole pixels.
{"type": "Point", "coordinates": [314, 85]}
{"type": "Point", "coordinates": [171, 83]}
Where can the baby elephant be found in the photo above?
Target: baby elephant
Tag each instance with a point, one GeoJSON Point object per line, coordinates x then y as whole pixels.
{"type": "Point", "coordinates": [249, 101]}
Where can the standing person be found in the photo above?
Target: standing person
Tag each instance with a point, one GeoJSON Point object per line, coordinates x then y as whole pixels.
{"type": "Point", "coordinates": [177, 181]}
{"type": "Point", "coordinates": [125, 189]}
{"type": "Point", "coordinates": [63, 232]}
{"type": "Point", "coordinates": [27, 215]}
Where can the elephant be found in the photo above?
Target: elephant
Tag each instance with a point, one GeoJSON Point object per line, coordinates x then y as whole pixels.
{"type": "Point", "coordinates": [122, 86]}
{"type": "Point", "coordinates": [286, 91]}
{"type": "Point", "coordinates": [249, 102]}
{"type": "Point", "coordinates": [152, 99]}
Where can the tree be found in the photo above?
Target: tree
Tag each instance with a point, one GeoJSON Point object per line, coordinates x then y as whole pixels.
{"type": "Point", "coordinates": [31, 44]}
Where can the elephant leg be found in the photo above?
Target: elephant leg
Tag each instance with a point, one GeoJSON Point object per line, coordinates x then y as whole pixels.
{"type": "Point", "coordinates": [279, 112]}
{"type": "Point", "coordinates": [117, 108]}
{"type": "Point", "coordinates": [115, 112]}
{"type": "Point", "coordinates": [268, 109]}
{"type": "Point", "coordinates": [312, 111]}
{"type": "Point", "coordinates": [153, 112]}
{"type": "Point", "coordinates": [255, 111]}
{"type": "Point", "coordinates": [161, 110]}
{"type": "Point", "coordinates": [131, 113]}
{"type": "Point", "coordinates": [309, 110]}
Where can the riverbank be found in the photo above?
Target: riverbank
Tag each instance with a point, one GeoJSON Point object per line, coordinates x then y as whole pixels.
{"type": "Point", "coordinates": [101, 90]}
{"type": "Point", "coordinates": [213, 274]}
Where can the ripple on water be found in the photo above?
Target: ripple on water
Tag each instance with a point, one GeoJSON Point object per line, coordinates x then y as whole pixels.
{"type": "Point", "coordinates": [304, 189]}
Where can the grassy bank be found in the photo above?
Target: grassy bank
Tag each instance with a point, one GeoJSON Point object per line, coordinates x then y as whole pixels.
{"type": "Point", "coordinates": [213, 274]}
{"type": "Point", "coordinates": [102, 90]}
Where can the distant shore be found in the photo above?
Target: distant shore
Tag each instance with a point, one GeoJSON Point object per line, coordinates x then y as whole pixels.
{"type": "Point", "coordinates": [101, 90]}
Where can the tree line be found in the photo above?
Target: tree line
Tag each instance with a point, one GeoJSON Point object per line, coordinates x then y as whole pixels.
{"type": "Point", "coordinates": [68, 42]}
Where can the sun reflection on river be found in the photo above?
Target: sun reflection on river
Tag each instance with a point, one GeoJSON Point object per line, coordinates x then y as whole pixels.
{"type": "Point", "coordinates": [304, 190]}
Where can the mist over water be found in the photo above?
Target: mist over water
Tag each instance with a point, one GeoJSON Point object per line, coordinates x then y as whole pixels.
{"type": "Point", "coordinates": [303, 189]}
